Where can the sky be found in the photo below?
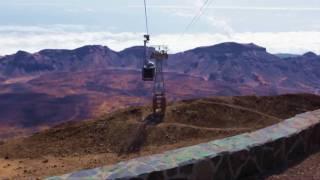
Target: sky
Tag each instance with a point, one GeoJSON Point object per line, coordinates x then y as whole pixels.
{"type": "Point", "coordinates": [286, 26]}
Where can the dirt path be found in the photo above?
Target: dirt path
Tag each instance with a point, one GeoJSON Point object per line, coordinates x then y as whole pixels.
{"type": "Point", "coordinates": [246, 109]}
{"type": "Point", "coordinates": [205, 128]}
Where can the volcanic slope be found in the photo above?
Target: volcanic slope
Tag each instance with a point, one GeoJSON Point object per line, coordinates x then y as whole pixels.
{"type": "Point", "coordinates": [128, 133]}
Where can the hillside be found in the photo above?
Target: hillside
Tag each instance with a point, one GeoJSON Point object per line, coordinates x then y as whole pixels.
{"type": "Point", "coordinates": [84, 83]}
{"type": "Point", "coordinates": [129, 133]}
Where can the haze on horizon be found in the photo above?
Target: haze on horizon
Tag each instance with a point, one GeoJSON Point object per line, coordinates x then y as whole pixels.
{"type": "Point", "coordinates": [289, 26]}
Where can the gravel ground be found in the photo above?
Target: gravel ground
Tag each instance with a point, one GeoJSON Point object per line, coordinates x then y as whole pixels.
{"type": "Point", "coordinates": [307, 169]}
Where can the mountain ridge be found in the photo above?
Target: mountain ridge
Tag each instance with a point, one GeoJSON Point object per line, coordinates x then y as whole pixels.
{"type": "Point", "coordinates": [96, 56]}
{"type": "Point", "coordinates": [224, 44]}
{"type": "Point", "coordinates": [228, 63]}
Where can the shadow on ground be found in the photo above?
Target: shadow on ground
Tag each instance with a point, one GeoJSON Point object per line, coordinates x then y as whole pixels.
{"type": "Point", "coordinates": [282, 168]}
{"type": "Point", "coordinates": [140, 135]}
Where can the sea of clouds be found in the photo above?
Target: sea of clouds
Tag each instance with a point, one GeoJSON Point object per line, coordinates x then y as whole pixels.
{"type": "Point", "coordinates": [35, 38]}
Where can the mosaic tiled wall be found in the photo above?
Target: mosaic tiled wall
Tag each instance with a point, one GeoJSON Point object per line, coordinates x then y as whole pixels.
{"type": "Point", "coordinates": [230, 158]}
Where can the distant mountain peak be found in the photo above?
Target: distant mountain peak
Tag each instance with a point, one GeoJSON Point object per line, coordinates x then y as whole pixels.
{"type": "Point", "coordinates": [286, 55]}
{"type": "Point", "coordinates": [92, 47]}
{"type": "Point", "coordinates": [237, 46]}
{"type": "Point", "coordinates": [138, 48]}
{"type": "Point", "coordinates": [231, 47]}
{"type": "Point", "coordinates": [20, 55]}
{"type": "Point", "coordinates": [84, 49]}
{"type": "Point", "coordinates": [135, 50]}
{"type": "Point", "coordinates": [131, 49]}
{"type": "Point", "coordinates": [20, 52]}
{"type": "Point", "coordinates": [310, 55]}
{"type": "Point", "coordinates": [49, 51]}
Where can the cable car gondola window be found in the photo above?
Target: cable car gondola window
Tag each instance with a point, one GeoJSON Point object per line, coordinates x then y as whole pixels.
{"type": "Point", "coordinates": [148, 72]}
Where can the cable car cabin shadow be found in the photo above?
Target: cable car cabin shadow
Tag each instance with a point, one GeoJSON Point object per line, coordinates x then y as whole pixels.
{"type": "Point", "coordinates": [148, 72]}
{"type": "Point", "coordinates": [154, 119]}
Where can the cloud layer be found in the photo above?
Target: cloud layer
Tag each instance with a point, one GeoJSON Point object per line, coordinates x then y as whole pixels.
{"type": "Point", "coordinates": [35, 38]}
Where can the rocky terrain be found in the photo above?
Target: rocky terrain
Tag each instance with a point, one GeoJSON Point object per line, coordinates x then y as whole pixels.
{"type": "Point", "coordinates": [130, 133]}
{"type": "Point", "coordinates": [46, 88]}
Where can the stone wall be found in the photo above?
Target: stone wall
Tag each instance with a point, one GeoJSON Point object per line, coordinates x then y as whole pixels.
{"type": "Point", "coordinates": [230, 158]}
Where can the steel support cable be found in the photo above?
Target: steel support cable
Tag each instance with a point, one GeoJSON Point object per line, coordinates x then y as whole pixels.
{"type": "Point", "coordinates": [146, 16]}
{"type": "Point", "coordinates": [146, 35]}
{"type": "Point", "coordinates": [202, 11]}
{"type": "Point", "coordinates": [197, 16]}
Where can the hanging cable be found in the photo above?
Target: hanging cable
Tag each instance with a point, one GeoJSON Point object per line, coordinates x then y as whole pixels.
{"type": "Point", "coordinates": [146, 16]}
{"type": "Point", "coordinates": [197, 16]}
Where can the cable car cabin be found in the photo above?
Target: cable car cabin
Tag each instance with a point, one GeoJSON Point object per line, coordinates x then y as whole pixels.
{"type": "Point", "coordinates": [148, 72]}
